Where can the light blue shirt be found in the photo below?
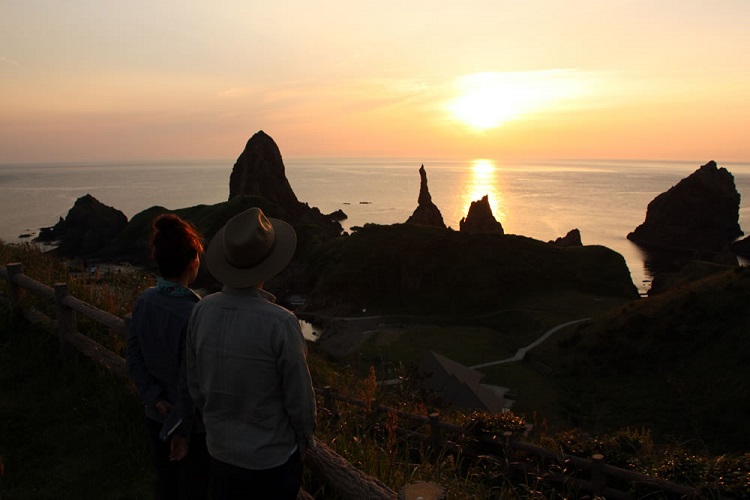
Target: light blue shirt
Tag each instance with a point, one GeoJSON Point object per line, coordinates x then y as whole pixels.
{"type": "Point", "coordinates": [247, 371]}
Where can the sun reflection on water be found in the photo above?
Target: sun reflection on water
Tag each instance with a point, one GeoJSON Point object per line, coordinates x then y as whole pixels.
{"type": "Point", "coordinates": [484, 181]}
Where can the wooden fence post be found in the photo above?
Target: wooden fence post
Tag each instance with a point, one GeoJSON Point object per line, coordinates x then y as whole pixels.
{"type": "Point", "coordinates": [436, 439]}
{"type": "Point", "coordinates": [508, 449]}
{"type": "Point", "coordinates": [15, 292]}
{"type": "Point", "coordinates": [598, 479]}
{"type": "Point", "coordinates": [66, 317]}
{"type": "Point", "coordinates": [127, 319]}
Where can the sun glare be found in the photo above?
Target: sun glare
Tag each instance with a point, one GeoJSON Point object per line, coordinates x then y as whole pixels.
{"type": "Point", "coordinates": [489, 100]}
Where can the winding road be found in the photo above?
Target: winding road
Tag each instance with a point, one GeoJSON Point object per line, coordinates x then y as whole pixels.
{"type": "Point", "coordinates": [523, 350]}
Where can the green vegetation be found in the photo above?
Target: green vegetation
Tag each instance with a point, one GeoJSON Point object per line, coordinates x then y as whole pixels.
{"type": "Point", "coordinates": [676, 363]}
{"type": "Point", "coordinates": [133, 240]}
{"type": "Point", "coordinates": [408, 269]}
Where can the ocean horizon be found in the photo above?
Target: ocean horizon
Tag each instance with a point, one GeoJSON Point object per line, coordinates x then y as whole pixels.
{"type": "Point", "coordinates": [544, 200]}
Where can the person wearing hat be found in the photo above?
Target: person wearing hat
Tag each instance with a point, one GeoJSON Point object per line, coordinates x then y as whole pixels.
{"type": "Point", "coordinates": [246, 365]}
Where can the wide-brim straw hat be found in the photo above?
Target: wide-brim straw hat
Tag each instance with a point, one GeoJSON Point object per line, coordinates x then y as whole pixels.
{"type": "Point", "coordinates": [250, 249]}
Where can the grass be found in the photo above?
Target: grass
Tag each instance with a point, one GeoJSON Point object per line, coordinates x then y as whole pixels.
{"type": "Point", "coordinates": [67, 428]}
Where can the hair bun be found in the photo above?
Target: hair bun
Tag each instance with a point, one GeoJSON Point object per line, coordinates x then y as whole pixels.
{"type": "Point", "coordinates": [167, 222]}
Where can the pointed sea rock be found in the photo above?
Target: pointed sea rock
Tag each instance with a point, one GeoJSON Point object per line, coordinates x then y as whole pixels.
{"type": "Point", "coordinates": [480, 219]}
{"type": "Point", "coordinates": [700, 213]}
{"type": "Point", "coordinates": [426, 213]}
{"type": "Point", "coordinates": [260, 171]}
{"type": "Point", "coordinates": [572, 239]}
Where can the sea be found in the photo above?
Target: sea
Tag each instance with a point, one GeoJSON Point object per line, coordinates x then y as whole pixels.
{"type": "Point", "coordinates": [544, 200]}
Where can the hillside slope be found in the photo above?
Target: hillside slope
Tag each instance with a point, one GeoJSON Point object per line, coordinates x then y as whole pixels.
{"type": "Point", "coordinates": [417, 269]}
{"type": "Point", "coordinates": [677, 363]}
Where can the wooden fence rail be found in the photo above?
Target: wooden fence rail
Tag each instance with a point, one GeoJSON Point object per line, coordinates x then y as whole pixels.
{"type": "Point", "coordinates": [348, 481]}
{"type": "Point", "coordinates": [345, 479]}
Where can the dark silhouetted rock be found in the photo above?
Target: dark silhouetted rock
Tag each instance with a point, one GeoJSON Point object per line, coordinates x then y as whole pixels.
{"type": "Point", "coordinates": [572, 239]}
{"type": "Point", "coordinates": [259, 171]}
{"type": "Point", "coordinates": [700, 213]}
{"type": "Point", "coordinates": [413, 269]}
{"type": "Point", "coordinates": [52, 233]}
{"type": "Point", "coordinates": [426, 213]}
{"type": "Point", "coordinates": [88, 228]}
{"type": "Point", "coordinates": [338, 215]}
{"type": "Point", "coordinates": [480, 219]}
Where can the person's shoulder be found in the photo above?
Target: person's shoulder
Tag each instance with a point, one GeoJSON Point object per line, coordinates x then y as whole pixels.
{"type": "Point", "coordinates": [147, 295]}
{"type": "Point", "coordinates": [210, 299]}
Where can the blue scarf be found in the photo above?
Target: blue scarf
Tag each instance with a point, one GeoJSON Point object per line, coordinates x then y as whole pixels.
{"type": "Point", "coordinates": [174, 289]}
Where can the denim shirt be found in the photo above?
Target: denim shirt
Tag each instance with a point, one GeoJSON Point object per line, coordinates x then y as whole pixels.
{"type": "Point", "coordinates": [155, 350]}
{"type": "Point", "coordinates": [247, 371]}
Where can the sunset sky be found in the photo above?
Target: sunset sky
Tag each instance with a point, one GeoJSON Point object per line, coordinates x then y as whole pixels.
{"type": "Point", "coordinates": [502, 79]}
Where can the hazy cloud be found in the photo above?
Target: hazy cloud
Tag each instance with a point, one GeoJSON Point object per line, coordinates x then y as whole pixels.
{"type": "Point", "coordinates": [8, 61]}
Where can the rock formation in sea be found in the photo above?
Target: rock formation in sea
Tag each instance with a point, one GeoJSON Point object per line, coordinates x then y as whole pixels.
{"type": "Point", "coordinates": [480, 219]}
{"type": "Point", "coordinates": [700, 213]}
{"type": "Point", "coordinates": [260, 171]}
{"type": "Point", "coordinates": [426, 213]}
{"type": "Point", "coordinates": [572, 239]}
{"type": "Point", "coordinates": [89, 227]}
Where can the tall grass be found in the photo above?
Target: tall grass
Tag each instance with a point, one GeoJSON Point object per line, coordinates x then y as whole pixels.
{"type": "Point", "coordinates": [111, 289]}
{"type": "Point", "coordinates": [68, 429]}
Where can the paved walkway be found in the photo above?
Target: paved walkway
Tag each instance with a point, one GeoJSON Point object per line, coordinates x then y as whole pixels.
{"type": "Point", "coordinates": [523, 350]}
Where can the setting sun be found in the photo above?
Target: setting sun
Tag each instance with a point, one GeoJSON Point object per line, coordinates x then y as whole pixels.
{"type": "Point", "coordinates": [489, 100]}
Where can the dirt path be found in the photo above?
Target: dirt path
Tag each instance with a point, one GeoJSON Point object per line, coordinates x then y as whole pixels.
{"type": "Point", "coordinates": [521, 353]}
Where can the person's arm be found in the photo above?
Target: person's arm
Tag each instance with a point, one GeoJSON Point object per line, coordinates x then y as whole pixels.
{"type": "Point", "coordinates": [296, 383]}
{"type": "Point", "coordinates": [149, 389]}
{"type": "Point", "coordinates": [185, 407]}
{"type": "Point", "coordinates": [191, 366]}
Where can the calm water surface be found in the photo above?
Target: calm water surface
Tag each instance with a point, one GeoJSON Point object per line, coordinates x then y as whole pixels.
{"type": "Point", "coordinates": [605, 200]}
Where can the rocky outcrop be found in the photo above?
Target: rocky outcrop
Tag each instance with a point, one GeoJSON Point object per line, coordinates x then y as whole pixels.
{"type": "Point", "coordinates": [260, 171]}
{"type": "Point", "coordinates": [413, 269]}
{"type": "Point", "coordinates": [338, 215]}
{"type": "Point", "coordinates": [426, 213]}
{"type": "Point", "coordinates": [572, 239]}
{"type": "Point", "coordinates": [700, 213]}
{"type": "Point", "coordinates": [480, 219]}
{"type": "Point", "coordinates": [88, 228]}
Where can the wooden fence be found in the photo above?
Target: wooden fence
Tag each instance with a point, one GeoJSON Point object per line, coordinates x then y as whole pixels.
{"type": "Point", "coordinates": [345, 479]}
{"type": "Point", "coordinates": [340, 475]}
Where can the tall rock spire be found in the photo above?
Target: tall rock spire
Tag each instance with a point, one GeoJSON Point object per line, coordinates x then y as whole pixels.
{"type": "Point", "coordinates": [426, 213]}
